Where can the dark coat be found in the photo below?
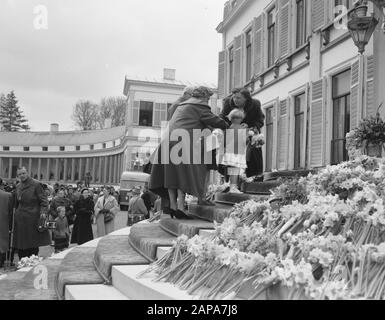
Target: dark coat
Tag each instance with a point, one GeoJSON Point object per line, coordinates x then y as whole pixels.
{"type": "Point", "coordinates": [31, 201]}
{"type": "Point", "coordinates": [188, 177]}
{"type": "Point", "coordinates": [255, 119]}
{"type": "Point", "coordinates": [5, 213]}
{"type": "Point", "coordinates": [82, 231]}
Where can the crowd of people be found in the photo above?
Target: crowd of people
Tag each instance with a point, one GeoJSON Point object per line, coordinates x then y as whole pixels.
{"type": "Point", "coordinates": [33, 214]}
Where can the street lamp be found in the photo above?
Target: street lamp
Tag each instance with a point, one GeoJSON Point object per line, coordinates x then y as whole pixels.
{"type": "Point", "coordinates": [361, 26]}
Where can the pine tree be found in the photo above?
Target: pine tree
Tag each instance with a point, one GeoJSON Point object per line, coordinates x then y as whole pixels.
{"type": "Point", "coordinates": [11, 117]}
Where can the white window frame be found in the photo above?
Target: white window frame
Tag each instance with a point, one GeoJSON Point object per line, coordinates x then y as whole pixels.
{"type": "Point", "coordinates": [304, 89]}
{"type": "Point", "coordinates": [293, 23]}
{"type": "Point", "coordinates": [153, 109]}
{"type": "Point", "coordinates": [266, 11]}
{"type": "Point", "coordinates": [271, 104]}
{"type": "Point", "coordinates": [247, 29]}
{"type": "Point", "coordinates": [328, 101]}
{"type": "Point", "coordinates": [229, 82]}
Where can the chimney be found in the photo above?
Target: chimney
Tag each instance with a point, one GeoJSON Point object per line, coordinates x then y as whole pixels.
{"type": "Point", "coordinates": [54, 127]}
{"type": "Point", "coordinates": [107, 123]}
{"type": "Point", "coordinates": [168, 74]}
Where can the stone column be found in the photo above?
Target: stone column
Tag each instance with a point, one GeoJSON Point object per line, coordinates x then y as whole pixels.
{"type": "Point", "coordinates": [10, 168]}
{"type": "Point", "coordinates": [29, 165]}
{"type": "Point", "coordinates": [110, 172]}
{"type": "Point", "coordinates": [38, 168]}
{"type": "Point", "coordinates": [87, 165]}
{"type": "Point", "coordinates": [80, 169]}
{"type": "Point", "coordinates": [100, 169]}
{"type": "Point", "coordinates": [105, 169]}
{"type": "Point", "coordinates": [1, 167]}
{"type": "Point", "coordinates": [73, 169]}
{"type": "Point", "coordinates": [57, 178]}
{"type": "Point", "coordinates": [65, 170]}
{"type": "Point", "coordinates": [21, 162]}
{"type": "Point", "coordinates": [115, 168]}
{"type": "Point", "coordinates": [48, 167]}
{"type": "Point", "coordinates": [93, 169]}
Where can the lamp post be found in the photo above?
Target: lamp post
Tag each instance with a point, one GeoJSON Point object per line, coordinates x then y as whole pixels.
{"type": "Point", "coordinates": [361, 26]}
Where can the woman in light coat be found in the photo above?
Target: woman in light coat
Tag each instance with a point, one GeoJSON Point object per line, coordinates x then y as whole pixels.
{"type": "Point", "coordinates": [105, 203]}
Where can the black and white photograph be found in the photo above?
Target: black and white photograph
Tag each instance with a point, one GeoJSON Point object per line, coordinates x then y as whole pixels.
{"type": "Point", "coordinates": [205, 151]}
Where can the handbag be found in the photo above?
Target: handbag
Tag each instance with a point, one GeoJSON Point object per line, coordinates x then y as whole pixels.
{"type": "Point", "coordinates": [108, 215]}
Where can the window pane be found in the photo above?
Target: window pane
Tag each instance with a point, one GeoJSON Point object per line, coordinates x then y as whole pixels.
{"type": "Point", "coordinates": [341, 84]}
{"type": "Point", "coordinates": [145, 113]}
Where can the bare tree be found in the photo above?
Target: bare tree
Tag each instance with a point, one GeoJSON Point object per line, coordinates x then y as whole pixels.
{"type": "Point", "coordinates": [113, 108]}
{"type": "Point", "coordinates": [85, 115]}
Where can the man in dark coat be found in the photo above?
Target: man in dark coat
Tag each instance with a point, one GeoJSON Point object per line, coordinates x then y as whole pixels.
{"type": "Point", "coordinates": [5, 214]}
{"type": "Point", "coordinates": [31, 205]}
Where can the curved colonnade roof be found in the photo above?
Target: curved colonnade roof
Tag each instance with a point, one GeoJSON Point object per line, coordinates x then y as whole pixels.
{"type": "Point", "coordinates": [48, 138]}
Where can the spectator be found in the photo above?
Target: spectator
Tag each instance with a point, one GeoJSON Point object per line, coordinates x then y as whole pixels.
{"type": "Point", "coordinates": [61, 201]}
{"type": "Point", "coordinates": [87, 179]}
{"type": "Point", "coordinates": [136, 208]}
{"type": "Point", "coordinates": [31, 206]}
{"type": "Point", "coordinates": [146, 196]}
{"type": "Point", "coordinates": [106, 209]}
{"type": "Point", "coordinates": [83, 209]}
{"type": "Point", "coordinates": [5, 218]}
{"type": "Point", "coordinates": [61, 234]}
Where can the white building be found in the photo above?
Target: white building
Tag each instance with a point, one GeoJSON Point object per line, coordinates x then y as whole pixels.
{"type": "Point", "coordinates": [298, 59]}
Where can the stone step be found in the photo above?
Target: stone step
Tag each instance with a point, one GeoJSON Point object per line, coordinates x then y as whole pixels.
{"type": "Point", "coordinates": [77, 268]}
{"type": "Point", "coordinates": [145, 238]}
{"type": "Point", "coordinates": [216, 213]}
{"type": "Point", "coordinates": [115, 250]}
{"type": "Point", "coordinates": [269, 176]}
{"type": "Point", "coordinates": [261, 188]}
{"type": "Point", "coordinates": [124, 278]}
{"type": "Point", "coordinates": [233, 198]}
{"type": "Point", "coordinates": [93, 292]}
{"type": "Point", "coordinates": [188, 227]}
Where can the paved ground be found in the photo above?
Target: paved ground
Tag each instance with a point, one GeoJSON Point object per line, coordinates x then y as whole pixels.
{"type": "Point", "coordinates": [120, 222]}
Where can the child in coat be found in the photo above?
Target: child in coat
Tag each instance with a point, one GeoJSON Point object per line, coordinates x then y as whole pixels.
{"type": "Point", "coordinates": [61, 234]}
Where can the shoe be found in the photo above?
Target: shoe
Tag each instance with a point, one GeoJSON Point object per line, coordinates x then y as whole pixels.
{"type": "Point", "coordinates": [179, 214]}
{"type": "Point", "coordinates": [235, 190]}
{"type": "Point", "coordinates": [172, 213]}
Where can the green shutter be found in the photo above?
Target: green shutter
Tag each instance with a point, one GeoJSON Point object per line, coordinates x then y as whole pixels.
{"type": "Point", "coordinates": [135, 113]}
{"type": "Point", "coordinates": [238, 61]}
{"type": "Point", "coordinates": [318, 12]}
{"type": "Point", "coordinates": [258, 44]}
{"type": "Point", "coordinates": [316, 123]}
{"type": "Point", "coordinates": [283, 27]}
{"type": "Point", "coordinates": [283, 132]}
{"type": "Point", "coordinates": [354, 94]}
{"type": "Point", "coordinates": [370, 96]}
{"type": "Point", "coordinates": [222, 75]}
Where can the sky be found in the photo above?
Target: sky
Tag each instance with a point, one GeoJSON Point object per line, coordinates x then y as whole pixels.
{"type": "Point", "coordinates": [55, 52]}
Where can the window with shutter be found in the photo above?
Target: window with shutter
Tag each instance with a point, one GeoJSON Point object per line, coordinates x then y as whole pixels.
{"type": "Point", "coordinates": [318, 14]}
{"type": "Point", "coordinates": [283, 27]}
{"type": "Point", "coordinates": [258, 44]}
{"type": "Point", "coordinates": [238, 61]}
{"type": "Point", "coordinates": [342, 114]}
{"type": "Point", "coordinates": [222, 74]}
{"type": "Point", "coordinates": [146, 111]}
{"type": "Point", "coordinates": [231, 69]}
{"type": "Point", "coordinates": [271, 37]}
{"type": "Point", "coordinates": [316, 124]}
{"type": "Point", "coordinates": [135, 113]}
{"type": "Point", "coordinates": [283, 135]}
{"type": "Point", "coordinates": [248, 55]}
{"type": "Point", "coordinates": [370, 107]}
{"type": "Point", "coordinates": [269, 138]}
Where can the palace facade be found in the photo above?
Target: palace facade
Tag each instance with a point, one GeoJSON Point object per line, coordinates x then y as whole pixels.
{"type": "Point", "coordinates": [297, 57]}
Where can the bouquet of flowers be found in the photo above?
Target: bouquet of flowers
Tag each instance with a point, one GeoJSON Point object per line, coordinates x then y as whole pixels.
{"type": "Point", "coordinates": [29, 262]}
{"type": "Point", "coordinates": [257, 139]}
{"type": "Point", "coordinates": [370, 131]}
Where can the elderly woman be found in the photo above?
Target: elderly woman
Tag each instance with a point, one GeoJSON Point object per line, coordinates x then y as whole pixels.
{"type": "Point", "coordinates": [106, 209]}
{"type": "Point", "coordinates": [83, 208]}
{"type": "Point", "coordinates": [186, 169]}
{"type": "Point", "coordinates": [254, 120]}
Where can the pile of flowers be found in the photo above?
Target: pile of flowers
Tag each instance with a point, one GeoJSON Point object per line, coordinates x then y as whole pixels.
{"type": "Point", "coordinates": [323, 239]}
{"type": "Point", "coordinates": [29, 262]}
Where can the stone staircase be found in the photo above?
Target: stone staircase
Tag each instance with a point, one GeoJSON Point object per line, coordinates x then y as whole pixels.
{"type": "Point", "coordinates": [109, 269]}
